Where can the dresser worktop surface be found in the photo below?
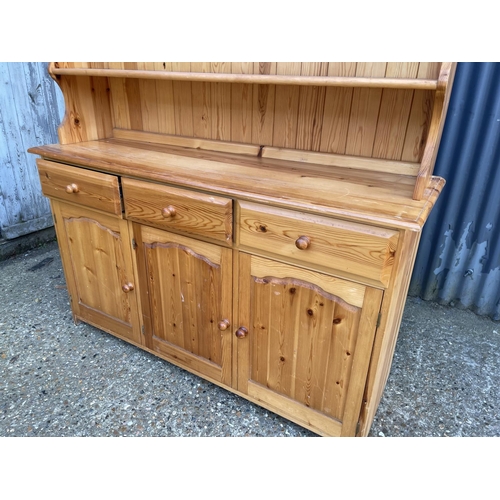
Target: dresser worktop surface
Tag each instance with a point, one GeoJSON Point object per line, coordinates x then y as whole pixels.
{"type": "Point", "coordinates": [351, 194]}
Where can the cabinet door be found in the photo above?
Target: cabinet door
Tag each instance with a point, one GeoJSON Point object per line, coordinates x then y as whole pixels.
{"type": "Point", "coordinates": [304, 343]}
{"type": "Point", "coordinates": [186, 301]}
{"type": "Point", "coordinates": [97, 258]}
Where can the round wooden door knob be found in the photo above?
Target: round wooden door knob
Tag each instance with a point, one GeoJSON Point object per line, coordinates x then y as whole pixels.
{"type": "Point", "coordinates": [241, 332]}
{"type": "Point", "coordinates": [223, 325]}
{"type": "Point", "coordinates": [303, 243]}
{"type": "Point", "coordinates": [169, 211]}
{"type": "Point", "coordinates": [127, 287]}
{"type": "Point", "coordinates": [72, 188]}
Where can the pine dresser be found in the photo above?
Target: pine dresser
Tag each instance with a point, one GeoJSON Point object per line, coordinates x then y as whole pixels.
{"type": "Point", "coordinates": [253, 223]}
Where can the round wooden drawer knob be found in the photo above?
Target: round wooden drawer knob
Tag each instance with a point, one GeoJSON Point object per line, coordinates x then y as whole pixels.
{"type": "Point", "coordinates": [128, 287]}
{"type": "Point", "coordinates": [72, 188]}
{"type": "Point", "coordinates": [303, 243]}
{"type": "Point", "coordinates": [241, 332]}
{"type": "Point", "coordinates": [223, 325]}
{"type": "Point", "coordinates": [169, 211]}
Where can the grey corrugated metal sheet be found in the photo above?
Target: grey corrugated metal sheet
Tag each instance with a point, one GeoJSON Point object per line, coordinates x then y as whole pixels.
{"type": "Point", "coordinates": [458, 261]}
{"type": "Point", "coordinates": [31, 108]}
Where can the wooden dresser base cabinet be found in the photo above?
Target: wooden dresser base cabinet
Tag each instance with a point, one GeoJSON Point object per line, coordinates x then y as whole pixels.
{"type": "Point", "coordinates": [251, 226]}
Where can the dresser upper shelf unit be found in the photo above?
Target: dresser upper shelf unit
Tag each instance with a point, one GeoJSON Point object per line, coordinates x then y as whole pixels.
{"type": "Point", "coordinates": [386, 113]}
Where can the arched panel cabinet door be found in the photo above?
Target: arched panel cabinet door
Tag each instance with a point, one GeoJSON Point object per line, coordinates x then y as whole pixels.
{"type": "Point", "coordinates": [186, 301]}
{"type": "Point", "coordinates": [97, 258]}
{"type": "Point", "coordinates": [304, 341]}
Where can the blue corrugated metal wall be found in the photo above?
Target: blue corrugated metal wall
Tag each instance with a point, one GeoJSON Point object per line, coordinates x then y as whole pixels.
{"type": "Point", "coordinates": [458, 261]}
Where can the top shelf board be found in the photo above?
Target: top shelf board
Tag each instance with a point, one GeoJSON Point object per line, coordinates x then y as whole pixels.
{"type": "Point", "coordinates": [319, 81]}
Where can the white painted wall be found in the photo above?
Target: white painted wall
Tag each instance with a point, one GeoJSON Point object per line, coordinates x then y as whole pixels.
{"type": "Point", "coordinates": [31, 108]}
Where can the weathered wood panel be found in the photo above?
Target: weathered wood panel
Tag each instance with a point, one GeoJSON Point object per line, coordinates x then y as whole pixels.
{"type": "Point", "coordinates": [31, 108]}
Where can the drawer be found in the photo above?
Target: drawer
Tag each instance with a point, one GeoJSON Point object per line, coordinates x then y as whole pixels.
{"type": "Point", "coordinates": [167, 207]}
{"type": "Point", "coordinates": [349, 247]}
{"type": "Point", "coordinates": [78, 185]}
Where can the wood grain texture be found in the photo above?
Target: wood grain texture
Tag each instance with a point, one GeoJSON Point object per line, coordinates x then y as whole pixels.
{"type": "Point", "coordinates": [420, 116]}
{"type": "Point", "coordinates": [304, 416]}
{"type": "Point", "coordinates": [387, 333]}
{"type": "Point", "coordinates": [148, 101]}
{"type": "Point", "coordinates": [183, 102]}
{"type": "Point", "coordinates": [189, 292]}
{"type": "Point", "coordinates": [119, 100]}
{"type": "Point", "coordinates": [135, 104]}
{"type": "Point", "coordinates": [88, 114]}
{"type": "Point", "coordinates": [286, 108]}
{"type": "Point", "coordinates": [97, 270]}
{"type": "Point", "coordinates": [364, 112]}
{"type": "Point", "coordinates": [393, 115]}
{"type": "Point", "coordinates": [254, 78]}
{"type": "Point", "coordinates": [337, 110]}
{"type": "Point", "coordinates": [295, 336]}
{"type": "Point", "coordinates": [347, 292]}
{"type": "Point", "coordinates": [310, 111]}
{"type": "Point", "coordinates": [187, 142]}
{"type": "Point", "coordinates": [356, 162]}
{"type": "Point", "coordinates": [359, 250]}
{"type": "Point", "coordinates": [338, 160]}
{"type": "Point", "coordinates": [102, 105]}
{"type": "Point", "coordinates": [366, 333]}
{"type": "Point", "coordinates": [195, 213]}
{"type": "Point", "coordinates": [165, 102]}
{"type": "Point", "coordinates": [241, 105]}
{"type": "Point", "coordinates": [119, 103]}
{"type": "Point", "coordinates": [343, 119]}
{"type": "Point", "coordinates": [95, 189]}
{"type": "Point", "coordinates": [221, 104]}
{"type": "Point", "coordinates": [349, 194]}
{"type": "Point", "coordinates": [263, 106]}
{"type": "Point", "coordinates": [202, 103]}
{"type": "Point", "coordinates": [443, 94]}
{"type": "Point", "coordinates": [302, 343]}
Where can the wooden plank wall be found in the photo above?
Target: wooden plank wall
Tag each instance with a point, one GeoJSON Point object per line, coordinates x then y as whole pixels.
{"type": "Point", "coordinates": [378, 123]}
{"type": "Point", "coordinates": [31, 108]}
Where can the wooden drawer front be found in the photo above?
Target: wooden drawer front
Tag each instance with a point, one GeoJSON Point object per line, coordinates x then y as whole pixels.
{"type": "Point", "coordinates": [167, 207]}
{"type": "Point", "coordinates": [357, 249]}
{"type": "Point", "coordinates": [78, 185]}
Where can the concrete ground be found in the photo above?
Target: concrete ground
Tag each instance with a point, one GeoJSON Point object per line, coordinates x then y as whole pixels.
{"type": "Point", "coordinates": [62, 379]}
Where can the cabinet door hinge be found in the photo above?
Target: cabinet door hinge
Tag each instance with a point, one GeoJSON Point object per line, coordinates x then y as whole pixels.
{"type": "Point", "coordinates": [378, 319]}
{"type": "Point", "coordinates": [142, 330]}
{"type": "Point", "coordinates": [134, 244]}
